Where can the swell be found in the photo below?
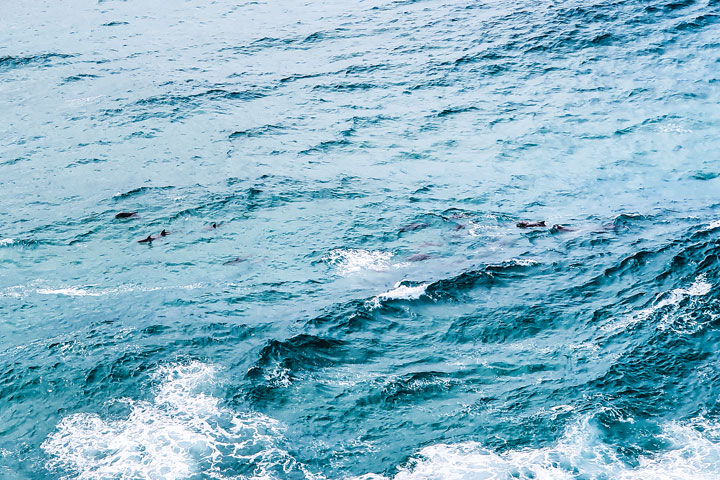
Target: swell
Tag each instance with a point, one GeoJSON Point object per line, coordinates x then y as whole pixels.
{"type": "Point", "coordinates": [679, 262]}
{"type": "Point", "coordinates": [140, 191]}
{"type": "Point", "coordinates": [695, 248]}
{"type": "Point", "coordinates": [486, 277]}
{"type": "Point", "coordinates": [176, 106]}
{"type": "Point", "coordinates": [292, 42]}
{"type": "Point", "coordinates": [213, 94]}
{"type": "Point", "coordinates": [258, 131]}
{"type": "Point", "coordinates": [280, 363]}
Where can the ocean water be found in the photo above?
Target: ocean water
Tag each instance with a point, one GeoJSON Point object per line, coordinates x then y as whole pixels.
{"type": "Point", "coordinates": [366, 307]}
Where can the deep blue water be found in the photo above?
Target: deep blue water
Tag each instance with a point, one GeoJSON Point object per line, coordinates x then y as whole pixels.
{"type": "Point", "coordinates": [366, 307]}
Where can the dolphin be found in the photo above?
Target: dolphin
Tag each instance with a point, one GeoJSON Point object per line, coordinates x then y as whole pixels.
{"type": "Point", "coordinates": [234, 261]}
{"type": "Point", "coordinates": [126, 215]}
{"type": "Point", "coordinates": [530, 224]}
{"type": "Point", "coordinates": [150, 238]}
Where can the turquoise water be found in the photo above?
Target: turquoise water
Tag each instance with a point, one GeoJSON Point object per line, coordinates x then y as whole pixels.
{"type": "Point", "coordinates": [366, 306]}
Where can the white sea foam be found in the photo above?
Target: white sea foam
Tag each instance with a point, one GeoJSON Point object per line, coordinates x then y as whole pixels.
{"type": "Point", "coordinates": [33, 288]}
{"type": "Point", "coordinates": [673, 128]}
{"type": "Point", "coordinates": [77, 102]}
{"type": "Point", "coordinates": [693, 454]}
{"type": "Point", "coordinates": [489, 224]}
{"type": "Point", "coordinates": [6, 241]}
{"type": "Point", "coordinates": [180, 432]}
{"type": "Point", "coordinates": [476, 229]}
{"type": "Point", "coordinates": [354, 260]}
{"type": "Point", "coordinates": [70, 292]}
{"type": "Point", "coordinates": [278, 377]}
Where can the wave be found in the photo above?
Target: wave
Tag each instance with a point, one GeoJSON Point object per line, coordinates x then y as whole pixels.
{"type": "Point", "coordinates": [79, 77]}
{"type": "Point", "coordinates": [213, 94]}
{"type": "Point", "coordinates": [20, 61]}
{"type": "Point", "coordinates": [666, 303]}
{"type": "Point", "coordinates": [325, 146]}
{"type": "Point", "coordinates": [713, 225]}
{"type": "Point", "coordinates": [698, 23]}
{"type": "Point", "coordinates": [404, 292]}
{"type": "Point", "coordinates": [183, 431]}
{"type": "Point", "coordinates": [22, 243]}
{"type": "Point", "coordinates": [257, 131]}
{"type": "Point", "coordinates": [451, 288]}
{"type": "Point", "coordinates": [140, 191]}
{"type": "Point", "coordinates": [280, 362]}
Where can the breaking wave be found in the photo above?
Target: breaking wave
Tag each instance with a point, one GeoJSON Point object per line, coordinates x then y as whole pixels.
{"type": "Point", "coordinates": [180, 433]}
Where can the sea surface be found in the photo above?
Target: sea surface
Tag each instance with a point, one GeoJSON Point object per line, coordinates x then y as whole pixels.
{"type": "Point", "coordinates": [365, 306]}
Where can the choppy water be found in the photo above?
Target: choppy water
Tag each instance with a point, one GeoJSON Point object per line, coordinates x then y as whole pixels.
{"type": "Point", "coordinates": [367, 307]}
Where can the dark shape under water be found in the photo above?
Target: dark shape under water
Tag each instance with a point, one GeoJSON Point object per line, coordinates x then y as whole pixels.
{"type": "Point", "coordinates": [234, 261]}
{"type": "Point", "coordinates": [530, 224]}
{"type": "Point", "coordinates": [419, 257]}
{"type": "Point", "coordinates": [611, 227]}
{"type": "Point", "coordinates": [126, 215]}
{"type": "Point", "coordinates": [413, 226]}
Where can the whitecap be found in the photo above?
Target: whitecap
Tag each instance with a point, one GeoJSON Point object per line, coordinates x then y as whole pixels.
{"type": "Point", "coordinates": [673, 128]}
{"type": "Point", "coordinates": [400, 291]}
{"type": "Point", "coordinates": [353, 260]}
{"type": "Point", "coordinates": [699, 287]}
{"type": "Point", "coordinates": [523, 262]}
{"type": "Point", "coordinates": [404, 292]}
{"type": "Point", "coordinates": [713, 225]}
